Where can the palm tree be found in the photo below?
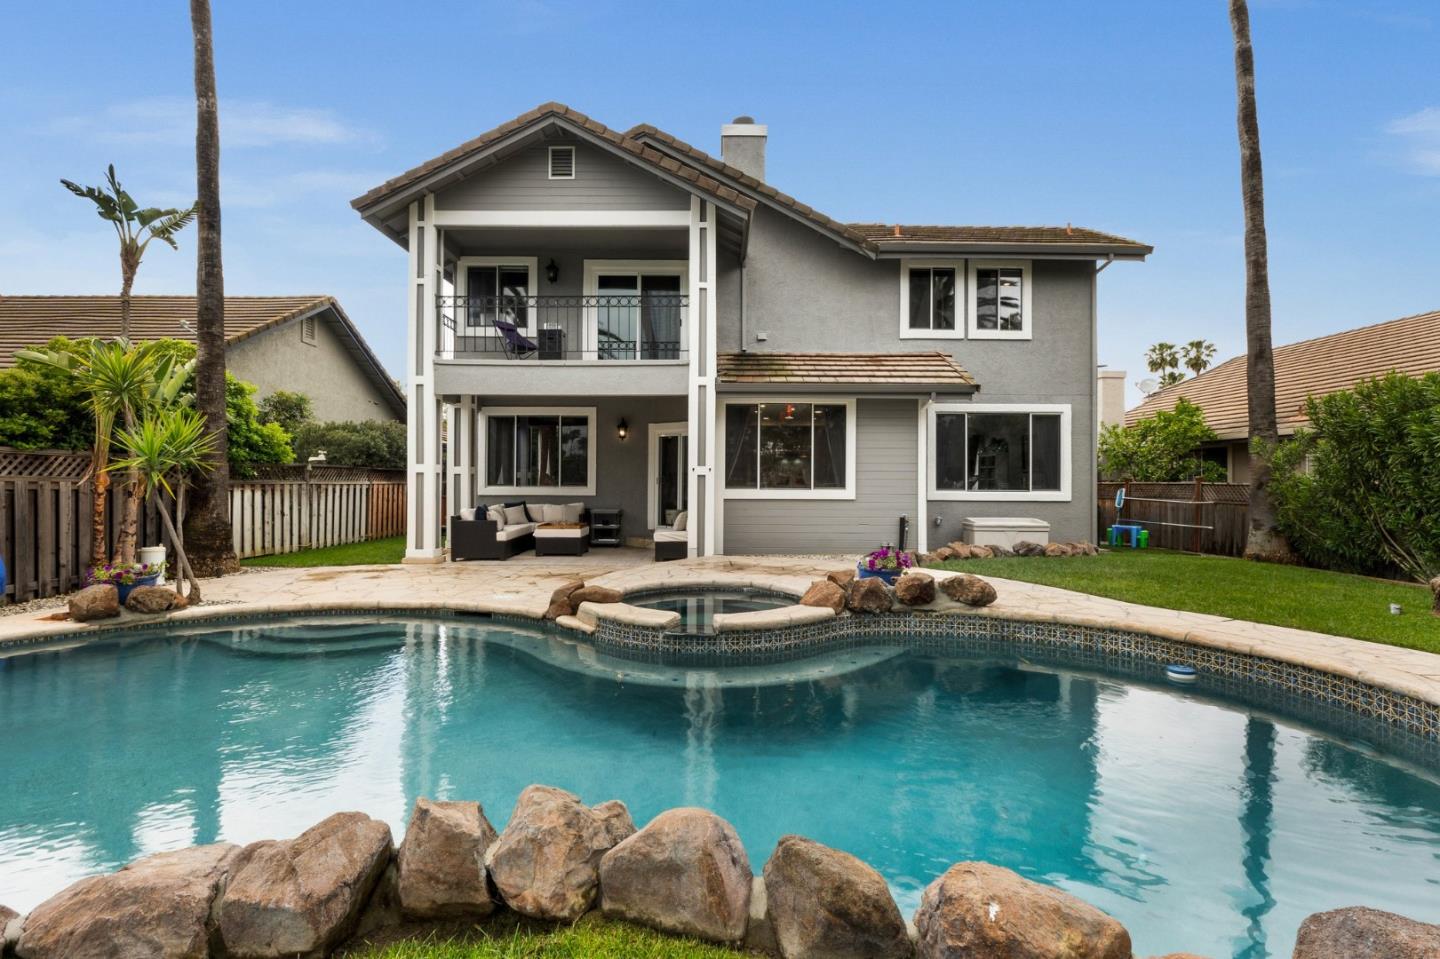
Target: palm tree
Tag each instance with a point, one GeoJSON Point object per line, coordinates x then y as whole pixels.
{"type": "Point", "coordinates": [1164, 358]}
{"type": "Point", "coordinates": [134, 226]}
{"type": "Point", "coordinates": [166, 449]}
{"type": "Point", "coordinates": [1198, 355]}
{"type": "Point", "coordinates": [209, 521]}
{"type": "Point", "coordinates": [121, 382]}
{"type": "Point", "coordinates": [1265, 541]}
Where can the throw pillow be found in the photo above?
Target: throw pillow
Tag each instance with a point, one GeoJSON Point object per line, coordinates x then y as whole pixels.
{"type": "Point", "coordinates": [514, 515]}
{"type": "Point", "coordinates": [573, 512]}
{"type": "Point", "coordinates": [553, 513]}
{"type": "Point", "coordinates": [467, 514]}
{"type": "Point", "coordinates": [536, 512]}
{"type": "Point", "coordinates": [681, 518]}
{"type": "Point", "coordinates": [496, 515]}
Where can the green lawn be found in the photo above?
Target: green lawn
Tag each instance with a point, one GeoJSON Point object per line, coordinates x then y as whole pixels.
{"type": "Point", "coordinates": [1281, 595]}
{"type": "Point", "coordinates": [509, 937]}
{"type": "Point", "coordinates": [389, 550]}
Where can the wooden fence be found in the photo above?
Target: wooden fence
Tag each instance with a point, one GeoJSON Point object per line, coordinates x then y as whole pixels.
{"type": "Point", "coordinates": [1197, 517]}
{"type": "Point", "coordinates": [45, 510]}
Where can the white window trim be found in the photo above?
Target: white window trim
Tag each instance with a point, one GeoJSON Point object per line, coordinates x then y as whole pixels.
{"type": "Point", "coordinates": [1062, 495]}
{"type": "Point", "coordinates": [462, 282]}
{"type": "Point", "coordinates": [962, 300]}
{"type": "Point", "coordinates": [482, 465]}
{"type": "Point", "coordinates": [851, 428]}
{"type": "Point", "coordinates": [550, 162]}
{"type": "Point", "coordinates": [1027, 315]}
{"type": "Point", "coordinates": [591, 283]}
{"type": "Point", "coordinates": [652, 467]}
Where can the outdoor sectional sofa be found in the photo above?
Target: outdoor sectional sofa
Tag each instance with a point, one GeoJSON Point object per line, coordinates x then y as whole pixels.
{"type": "Point", "coordinates": [499, 531]}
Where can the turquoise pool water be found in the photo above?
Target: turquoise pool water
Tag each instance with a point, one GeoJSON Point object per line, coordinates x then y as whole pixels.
{"type": "Point", "coordinates": [1198, 823]}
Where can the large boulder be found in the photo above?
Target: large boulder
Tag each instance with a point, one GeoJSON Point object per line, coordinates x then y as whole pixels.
{"type": "Point", "coordinates": [685, 873]}
{"type": "Point", "coordinates": [968, 589]}
{"type": "Point", "coordinates": [152, 599]}
{"type": "Point", "coordinates": [442, 861]}
{"type": "Point", "coordinates": [1361, 933]}
{"type": "Point", "coordinates": [841, 577]}
{"type": "Point", "coordinates": [979, 911]}
{"type": "Point", "coordinates": [915, 589]}
{"type": "Point", "coordinates": [869, 595]}
{"type": "Point", "coordinates": [546, 863]}
{"type": "Point", "coordinates": [156, 906]}
{"type": "Point", "coordinates": [301, 896]}
{"type": "Point", "coordinates": [101, 601]}
{"type": "Point", "coordinates": [562, 602]}
{"type": "Point", "coordinates": [595, 594]}
{"type": "Point", "coordinates": [826, 904]}
{"type": "Point", "coordinates": [825, 594]}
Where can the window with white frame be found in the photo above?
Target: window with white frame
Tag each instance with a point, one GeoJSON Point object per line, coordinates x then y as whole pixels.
{"type": "Point", "coordinates": [930, 302]}
{"type": "Point", "coordinates": [784, 448]}
{"type": "Point", "coordinates": [539, 450]}
{"type": "Point", "coordinates": [1000, 452]}
{"type": "Point", "coordinates": [1000, 299]}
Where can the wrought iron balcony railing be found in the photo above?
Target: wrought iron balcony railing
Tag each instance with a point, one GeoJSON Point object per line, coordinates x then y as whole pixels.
{"type": "Point", "coordinates": [646, 326]}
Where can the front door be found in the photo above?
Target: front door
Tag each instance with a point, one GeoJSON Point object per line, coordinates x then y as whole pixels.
{"type": "Point", "coordinates": [669, 454]}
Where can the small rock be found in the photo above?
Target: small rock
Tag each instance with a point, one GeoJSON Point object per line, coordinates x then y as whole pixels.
{"type": "Point", "coordinates": [595, 594]}
{"type": "Point", "coordinates": [684, 873]}
{"type": "Point", "coordinates": [826, 904]}
{"type": "Point", "coordinates": [101, 601]}
{"type": "Point", "coordinates": [1057, 549]}
{"type": "Point", "coordinates": [841, 577]}
{"type": "Point", "coordinates": [943, 553]}
{"type": "Point", "coordinates": [982, 552]}
{"type": "Point", "coordinates": [997, 550]}
{"type": "Point", "coordinates": [824, 593]}
{"type": "Point", "coordinates": [561, 602]}
{"type": "Point", "coordinates": [968, 589]}
{"type": "Point", "coordinates": [960, 549]}
{"type": "Point", "coordinates": [759, 931]}
{"type": "Point", "coordinates": [869, 595]}
{"type": "Point", "coordinates": [546, 862]}
{"type": "Point", "coordinates": [304, 895]}
{"type": "Point", "coordinates": [1027, 548]}
{"type": "Point", "coordinates": [442, 861]}
{"type": "Point", "coordinates": [915, 589]}
{"type": "Point", "coordinates": [151, 599]}
{"type": "Point", "coordinates": [1361, 933]}
{"type": "Point", "coordinates": [1085, 548]}
{"type": "Point", "coordinates": [156, 906]}
{"type": "Point", "coordinates": [979, 911]}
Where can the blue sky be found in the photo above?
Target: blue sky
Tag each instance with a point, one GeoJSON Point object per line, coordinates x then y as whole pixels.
{"type": "Point", "coordinates": [1117, 116]}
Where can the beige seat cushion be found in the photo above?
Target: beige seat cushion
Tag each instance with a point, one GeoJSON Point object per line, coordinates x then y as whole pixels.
{"type": "Point", "coordinates": [514, 531]}
{"type": "Point", "coordinates": [545, 532]}
{"type": "Point", "coordinates": [663, 535]}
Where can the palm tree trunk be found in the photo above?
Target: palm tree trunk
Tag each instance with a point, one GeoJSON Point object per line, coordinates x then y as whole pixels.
{"type": "Point", "coordinates": [100, 484]}
{"type": "Point", "coordinates": [209, 518]}
{"type": "Point", "coordinates": [127, 283]}
{"type": "Point", "coordinates": [1265, 541]}
{"type": "Point", "coordinates": [133, 492]}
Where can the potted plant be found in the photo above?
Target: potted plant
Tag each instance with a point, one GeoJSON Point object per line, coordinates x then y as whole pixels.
{"type": "Point", "coordinates": [887, 563]}
{"type": "Point", "coordinates": [125, 576]}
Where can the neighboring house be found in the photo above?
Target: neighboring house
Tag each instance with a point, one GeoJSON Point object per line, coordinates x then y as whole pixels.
{"type": "Point", "coordinates": [1326, 364]}
{"type": "Point", "coordinates": [624, 320]}
{"type": "Point", "coordinates": [1110, 397]}
{"type": "Point", "coordinates": [301, 343]}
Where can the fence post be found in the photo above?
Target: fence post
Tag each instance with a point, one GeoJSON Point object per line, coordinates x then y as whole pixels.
{"type": "Point", "coordinates": [1198, 511]}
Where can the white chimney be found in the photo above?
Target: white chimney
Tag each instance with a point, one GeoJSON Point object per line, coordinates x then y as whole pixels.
{"type": "Point", "coordinates": [742, 145]}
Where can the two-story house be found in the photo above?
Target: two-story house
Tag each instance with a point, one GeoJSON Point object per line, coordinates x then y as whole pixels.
{"type": "Point", "coordinates": [624, 320]}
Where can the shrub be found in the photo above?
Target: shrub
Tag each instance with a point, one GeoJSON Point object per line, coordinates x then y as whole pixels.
{"type": "Point", "coordinates": [290, 410]}
{"type": "Point", "coordinates": [373, 443]}
{"type": "Point", "coordinates": [1360, 491]}
{"type": "Point", "coordinates": [1164, 448]}
{"type": "Point", "coordinates": [251, 441]}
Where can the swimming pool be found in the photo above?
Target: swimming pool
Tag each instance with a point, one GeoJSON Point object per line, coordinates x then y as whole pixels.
{"type": "Point", "coordinates": [1201, 824]}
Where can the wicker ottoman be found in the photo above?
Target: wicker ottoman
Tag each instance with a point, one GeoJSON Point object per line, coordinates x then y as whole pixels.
{"type": "Point", "coordinates": [562, 539]}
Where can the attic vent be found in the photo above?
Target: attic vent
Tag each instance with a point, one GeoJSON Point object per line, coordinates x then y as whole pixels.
{"type": "Point", "coordinates": [307, 329]}
{"type": "Point", "coordinates": [562, 163]}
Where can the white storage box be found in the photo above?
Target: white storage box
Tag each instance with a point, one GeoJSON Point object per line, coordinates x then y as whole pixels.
{"type": "Point", "coordinates": [1003, 530]}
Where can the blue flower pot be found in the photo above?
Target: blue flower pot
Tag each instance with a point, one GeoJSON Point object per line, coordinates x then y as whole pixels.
{"type": "Point", "coordinates": [124, 590]}
{"type": "Point", "coordinates": [889, 576]}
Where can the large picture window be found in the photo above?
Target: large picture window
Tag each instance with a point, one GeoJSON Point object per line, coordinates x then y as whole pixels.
{"type": "Point", "coordinates": [785, 447]}
{"type": "Point", "coordinates": [538, 450]}
{"type": "Point", "coordinates": [998, 452]}
{"type": "Point", "coordinates": [930, 300]}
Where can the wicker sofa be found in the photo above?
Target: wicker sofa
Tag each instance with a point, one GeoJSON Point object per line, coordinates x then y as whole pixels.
{"type": "Point", "coordinates": [480, 534]}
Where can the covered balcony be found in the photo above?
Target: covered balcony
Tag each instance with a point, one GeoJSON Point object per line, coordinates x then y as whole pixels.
{"type": "Point", "coordinates": [637, 317]}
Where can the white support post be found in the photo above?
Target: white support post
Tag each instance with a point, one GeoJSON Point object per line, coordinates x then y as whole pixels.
{"type": "Point", "coordinates": [701, 406]}
{"type": "Point", "coordinates": [462, 454]}
{"type": "Point", "coordinates": [922, 453]}
{"type": "Point", "coordinates": [425, 411]}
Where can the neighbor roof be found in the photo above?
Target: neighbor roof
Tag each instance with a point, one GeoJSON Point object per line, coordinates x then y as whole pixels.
{"type": "Point", "coordinates": [28, 321]}
{"type": "Point", "coordinates": [911, 371]}
{"type": "Point", "coordinates": [1327, 364]}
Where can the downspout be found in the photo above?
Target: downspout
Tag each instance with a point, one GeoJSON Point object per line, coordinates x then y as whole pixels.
{"type": "Point", "coordinates": [743, 341]}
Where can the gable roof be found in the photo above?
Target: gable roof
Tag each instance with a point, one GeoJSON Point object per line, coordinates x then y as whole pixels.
{"type": "Point", "coordinates": [1315, 367]}
{"type": "Point", "coordinates": [1072, 239]}
{"type": "Point", "coordinates": [28, 321]}
{"type": "Point", "coordinates": [886, 371]}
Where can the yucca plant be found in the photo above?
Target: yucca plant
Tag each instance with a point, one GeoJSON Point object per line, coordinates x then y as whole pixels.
{"type": "Point", "coordinates": [168, 447]}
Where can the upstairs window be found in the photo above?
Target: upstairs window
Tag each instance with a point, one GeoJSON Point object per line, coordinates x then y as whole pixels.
{"type": "Point", "coordinates": [930, 301]}
{"type": "Point", "coordinates": [788, 447]}
{"type": "Point", "coordinates": [1000, 300]}
{"type": "Point", "coordinates": [562, 163]}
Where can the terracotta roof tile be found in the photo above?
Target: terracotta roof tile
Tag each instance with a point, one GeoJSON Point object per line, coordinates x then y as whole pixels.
{"type": "Point", "coordinates": [906, 234]}
{"type": "Point", "coordinates": [858, 369]}
{"type": "Point", "coordinates": [1314, 367]}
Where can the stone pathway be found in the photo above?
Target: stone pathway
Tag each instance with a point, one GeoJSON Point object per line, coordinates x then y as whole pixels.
{"type": "Point", "coordinates": [522, 587]}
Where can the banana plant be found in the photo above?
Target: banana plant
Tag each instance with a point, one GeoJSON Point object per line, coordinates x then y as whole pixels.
{"type": "Point", "coordinates": [135, 226]}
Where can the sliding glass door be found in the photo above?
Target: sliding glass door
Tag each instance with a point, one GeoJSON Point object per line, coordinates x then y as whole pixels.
{"type": "Point", "coordinates": [638, 315]}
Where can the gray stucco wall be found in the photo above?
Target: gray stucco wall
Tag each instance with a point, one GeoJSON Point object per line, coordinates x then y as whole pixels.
{"type": "Point", "coordinates": [280, 359]}
{"type": "Point", "coordinates": [885, 489]}
{"type": "Point", "coordinates": [602, 181]}
{"type": "Point", "coordinates": [621, 466]}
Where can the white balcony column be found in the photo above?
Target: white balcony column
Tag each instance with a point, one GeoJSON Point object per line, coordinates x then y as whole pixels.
{"type": "Point", "coordinates": [700, 344]}
{"type": "Point", "coordinates": [462, 454]}
{"type": "Point", "coordinates": [425, 411]}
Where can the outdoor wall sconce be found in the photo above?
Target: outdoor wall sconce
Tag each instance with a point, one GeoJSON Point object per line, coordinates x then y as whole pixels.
{"type": "Point", "coordinates": [622, 429]}
{"type": "Point", "coordinates": [552, 272]}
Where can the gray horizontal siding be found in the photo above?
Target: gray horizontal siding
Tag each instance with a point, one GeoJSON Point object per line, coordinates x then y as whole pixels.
{"type": "Point", "coordinates": [886, 489]}
{"type": "Point", "coordinates": [602, 181]}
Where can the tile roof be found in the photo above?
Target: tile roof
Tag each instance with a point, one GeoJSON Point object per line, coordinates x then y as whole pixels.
{"type": "Point", "coordinates": [1315, 367]}
{"type": "Point", "coordinates": [545, 111]}
{"type": "Point", "coordinates": [928, 370]}
{"type": "Point", "coordinates": [908, 234]}
{"type": "Point", "coordinates": [32, 320]}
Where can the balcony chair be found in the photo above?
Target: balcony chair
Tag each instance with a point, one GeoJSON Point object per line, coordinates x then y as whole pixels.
{"type": "Point", "coordinates": [516, 344]}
